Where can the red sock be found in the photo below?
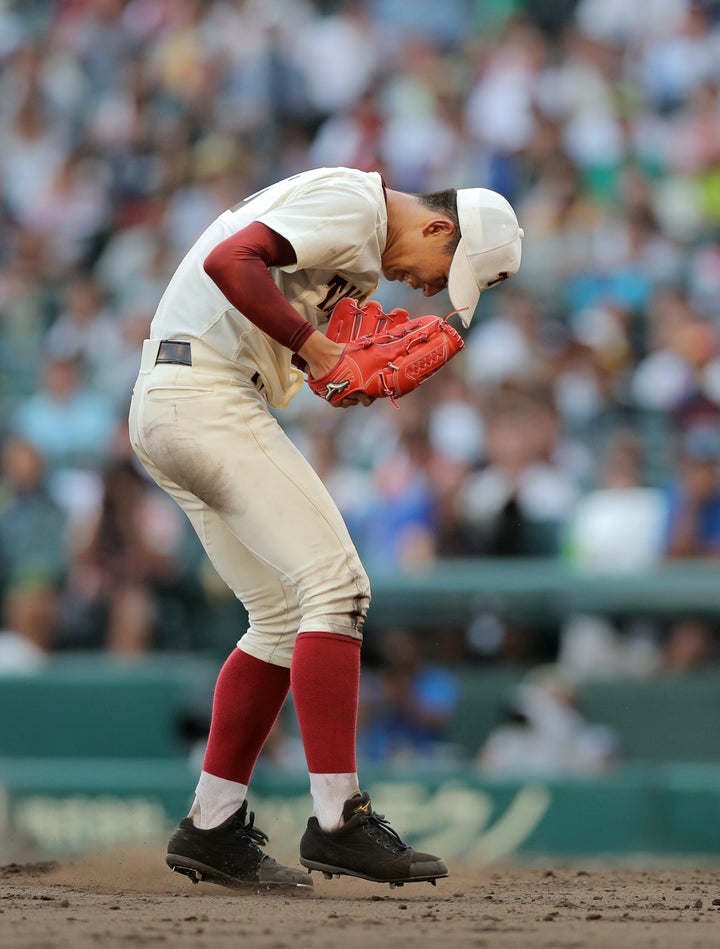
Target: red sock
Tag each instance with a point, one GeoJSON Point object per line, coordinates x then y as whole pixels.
{"type": "Point", "coordinates": [249, 694]}
{"type": "Point", "coordinates": [325, 677]}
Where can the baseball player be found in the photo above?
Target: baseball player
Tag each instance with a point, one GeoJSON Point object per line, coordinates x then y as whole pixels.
{"type": "Point", "coordinates": [240, 325]}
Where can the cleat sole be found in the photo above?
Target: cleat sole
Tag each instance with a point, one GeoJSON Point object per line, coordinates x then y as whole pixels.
{"type": "Point", "coordinates": [194, 875]}
{"type": "Point", "coordinates": [329, 871]}
{"type": "Point", "coordinates": [201, 873]}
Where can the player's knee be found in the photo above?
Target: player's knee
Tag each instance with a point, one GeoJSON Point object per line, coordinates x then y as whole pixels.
{"type": "Point", "coordinates": [337, 607]}
{"type": "Point", "coordinates": [359, 610]}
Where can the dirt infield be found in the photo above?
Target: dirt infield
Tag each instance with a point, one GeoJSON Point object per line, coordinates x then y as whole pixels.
{"type": "Point", "coordinates": [130, 899]}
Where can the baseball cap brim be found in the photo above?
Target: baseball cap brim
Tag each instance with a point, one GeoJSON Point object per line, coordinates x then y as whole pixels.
{"type": "Point", "coordinates": [489, 250]}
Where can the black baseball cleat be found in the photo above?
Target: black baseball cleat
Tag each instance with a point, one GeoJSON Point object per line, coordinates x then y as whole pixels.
{"type": "Point", "coordinates": [366, 846]}
{"type": "Point", "coordinates": [229, 854]}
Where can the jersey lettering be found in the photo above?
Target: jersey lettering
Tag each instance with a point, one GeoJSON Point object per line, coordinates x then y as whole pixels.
{"type": "Point", "coordinates": [338, 288]}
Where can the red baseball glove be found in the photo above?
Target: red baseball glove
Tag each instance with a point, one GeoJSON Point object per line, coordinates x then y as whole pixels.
{"type": "Point", "coordinates": [386, 355]}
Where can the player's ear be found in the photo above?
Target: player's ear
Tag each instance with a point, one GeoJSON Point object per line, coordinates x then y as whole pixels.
{"type": "Point", "coordinates": [439, 226]}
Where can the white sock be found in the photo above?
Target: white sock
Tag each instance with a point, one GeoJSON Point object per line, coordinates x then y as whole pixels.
{"type": "Point", "coordinates": [329, 793]}
{"type": "Point", "coordinates": [215, 800]}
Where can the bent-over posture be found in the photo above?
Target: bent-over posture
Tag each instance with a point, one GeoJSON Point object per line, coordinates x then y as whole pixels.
{"type": "Point", "coordinates": [238, 327]}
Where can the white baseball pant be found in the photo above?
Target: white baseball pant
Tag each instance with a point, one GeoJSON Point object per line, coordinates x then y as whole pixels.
{"type": "Point", "coordinates": [268, 524]}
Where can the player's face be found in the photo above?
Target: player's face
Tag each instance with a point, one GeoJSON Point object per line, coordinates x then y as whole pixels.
{"type": "Point", "coordinates": [429, 277]}
{"type": "Point", "coordinates": [421, 261]}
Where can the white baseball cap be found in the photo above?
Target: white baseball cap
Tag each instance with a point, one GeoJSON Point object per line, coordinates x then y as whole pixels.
{"type": "Point", "coordinates": [489, 249]}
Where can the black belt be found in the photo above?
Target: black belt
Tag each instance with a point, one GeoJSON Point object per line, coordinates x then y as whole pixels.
{"type": "Point", "coordinates": [178, 351]}
{"type": "Point", "coordinates": [175, 351]}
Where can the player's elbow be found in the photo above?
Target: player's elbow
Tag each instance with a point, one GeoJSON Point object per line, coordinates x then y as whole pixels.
{"type": "Point", "coordinates": [213, 266]}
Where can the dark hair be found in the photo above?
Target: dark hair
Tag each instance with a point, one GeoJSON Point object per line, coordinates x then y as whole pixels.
{"type": "Point", "coordinates": [445, 202]}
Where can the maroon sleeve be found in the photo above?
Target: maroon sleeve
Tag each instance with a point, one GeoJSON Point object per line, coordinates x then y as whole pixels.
{"type": "Point", "coordinates": [239, 267]}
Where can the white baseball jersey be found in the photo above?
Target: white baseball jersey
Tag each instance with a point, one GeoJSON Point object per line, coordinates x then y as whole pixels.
{"type": "Point", "coordinates": [336, 221]}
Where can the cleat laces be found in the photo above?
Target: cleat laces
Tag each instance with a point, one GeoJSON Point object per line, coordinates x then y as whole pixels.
{"type": "Point", "coordinates": [379, 828]}
{"type": "Point", "coordinates": [247, 828]}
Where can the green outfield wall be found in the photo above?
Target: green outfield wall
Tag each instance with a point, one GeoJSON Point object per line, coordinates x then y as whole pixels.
{"type": "Point", "coordinates": [91, 757]}
{"type": "Point", "coordinates": [70, 807]}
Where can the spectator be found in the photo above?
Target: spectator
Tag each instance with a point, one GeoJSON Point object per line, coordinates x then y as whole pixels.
{"type": "Point", "coordinates": [691, 644]}
{"type": "Point", "coordinates": [517, 504]}
{"type": "Point", "coordinates": [76, 210]}
{"type": "Point", "coordinates": [408, 704]}
{"type": "Point", "coordinates": [682, 343]}
{"type": "Point", "coordinates": [33, 153]}
{"type": "Point", "coordinates": [69, 423]}
{"type": "Point", "coordinates": [131, 552]}
{"type": "Point", "coordinates": [32, 525]}
{"type": "Point", "coordinates": [398, 528]}
{"type": "Point", "coordinates": [323, 47]}
{"type": "Point", "coordinates": [85, 329]}
{"type": "Point", "coordinates": [618, 524]}
{"type": "Point", "coordinates": [544, 734]}
{"type": "Point", "coordinates": [33, 545]}
{"type": "Point", "coordinates": [693, 498]}
{"type": "Point", "coordinates": [29, 623]}
{"type": "Point", "coordinates": [27, 305]}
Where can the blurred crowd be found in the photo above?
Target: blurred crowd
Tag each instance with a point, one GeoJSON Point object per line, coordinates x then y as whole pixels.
{"type": "Point", "coordinates": [581, 420]}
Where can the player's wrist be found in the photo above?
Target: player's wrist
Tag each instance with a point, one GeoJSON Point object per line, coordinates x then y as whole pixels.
{"type": "Point", "coordinates": [320, 354]}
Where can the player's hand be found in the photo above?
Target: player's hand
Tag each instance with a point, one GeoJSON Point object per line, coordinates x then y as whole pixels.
{"type": "Point", "coordinates": [320, 354]}
{"type": "Point", "coordinates": [362, 398]}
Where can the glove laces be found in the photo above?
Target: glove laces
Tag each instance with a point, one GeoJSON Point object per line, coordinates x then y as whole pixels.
{"type": "Point", "coordinates": [388, 390]}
